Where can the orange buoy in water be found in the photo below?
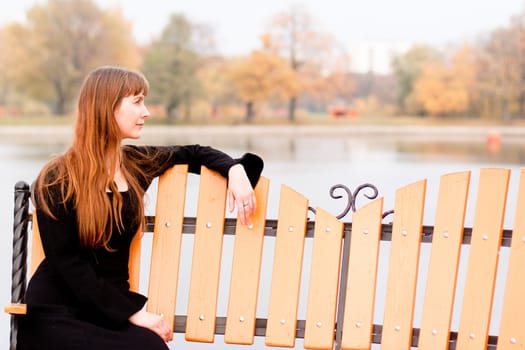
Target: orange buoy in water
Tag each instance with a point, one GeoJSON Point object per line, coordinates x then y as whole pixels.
{"type": "Point", "coordinates": [493, 141]}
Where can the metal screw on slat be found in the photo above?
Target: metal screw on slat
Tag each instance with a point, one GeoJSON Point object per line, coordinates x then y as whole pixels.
{"type": "Point", "coordinates": [208, 225]}
{"type": "Point", "coordinates": [485, 237]}
{"type": "Point", "coordinates": [319, 324]}
{"type": "Point", "coordinates": [513, 340]}
{"type": "Point", "coordinates": [283, 321]}
{"type": "Point", "coordinates": [397, 328]}
{"type": "Point", "coordinates": [445, 234]}
{"type": "Point", "coordinates": [434, 332]}
{"type": "Point", "coordinates": [290, 228]}
{"type": "Point", "coordinates": [241, 319]}
{"type": "Point", "coordinates": [365, 232]}
{"type": "Point", "coordinates": [358, 324]}
{"type": "Point", "coordinates": [328, 229]}
{"type": "Point", "coordinates": [167, 224]}
{"type": "Point", "coordinates": [250, 227]}
{"type": "Point", "coordinates": [472, 336]}
{"type": "Point", "coordinates": [201, 317]}
{"type": "Point", "coordinates": [404, 232]}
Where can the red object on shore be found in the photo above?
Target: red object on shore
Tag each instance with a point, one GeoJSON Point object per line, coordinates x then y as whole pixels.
{"type": "Point", "coordinates": [493, 141]}
{"type": "Point", "coordinates": [342, 112]}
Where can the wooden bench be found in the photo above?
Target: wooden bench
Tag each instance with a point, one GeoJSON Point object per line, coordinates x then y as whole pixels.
{"type": "Point", "coordinates": [453, 287]}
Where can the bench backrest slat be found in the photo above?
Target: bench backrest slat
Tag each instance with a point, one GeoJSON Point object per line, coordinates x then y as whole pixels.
{"type": "Point", "coordinates": [324, 281]}
{"type": "Point", "coordinates": [512, 327]}
{"type": "Point", "coordinates": [483, 259]}
{"type": "Point", "coordinates": [134, 262]}
{"type": "Point", "coordinates": [206, 261]}
{"type": "Point", "coordinates": [287, 266]}
{"type": "Point", "coordinates": [246, 270]}
{"type": "Point", "coordinates": [167, 240]}
{"type": "Point", "coordinates": [37, 251]}
{"type": "Point", "coordinates": [403, 266]}
{"type": "Point", "coordinates": [362, 275]}
{"type": "Point", "coordinates": [444, 261]}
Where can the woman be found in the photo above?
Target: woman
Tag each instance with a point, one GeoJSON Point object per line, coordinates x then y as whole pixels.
{"type": "Point", "coordinates": [89, 204]}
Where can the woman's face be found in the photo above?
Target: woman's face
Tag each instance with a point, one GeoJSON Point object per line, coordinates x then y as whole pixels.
{"type": "Point", "coordinates": [130, 116]}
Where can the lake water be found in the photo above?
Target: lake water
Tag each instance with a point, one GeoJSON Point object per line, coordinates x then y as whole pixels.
{"type": "Point", "coordinates": [308, 162]}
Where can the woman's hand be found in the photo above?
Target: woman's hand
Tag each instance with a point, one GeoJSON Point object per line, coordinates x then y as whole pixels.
{"type": "Point", "coordinates": [153, 322]}
{"type": "Point", "coordinates": [240, 193]}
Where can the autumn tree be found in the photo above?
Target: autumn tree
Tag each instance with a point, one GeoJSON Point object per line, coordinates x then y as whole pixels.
{"type": "Point", "coordinates": [407, 69]}
{"type": "Point", "coordinates": [502, 76]}
{"type": "Point", "coordinates": [323, 86]}
{"type": "Point", "coordinates": [4, 79]}
{"type": "Point", "coordinates": [261, 76]}
{"type": "Point", "coordinates": [61, 42]}
{"type": "Point", "coordinates": [447, 88]}
{"type": "Point", "coordinates": [171, 64]}
{"type": "Point", "coordinates": [216, 81]}
{"type": "Point", "coordinates": [294, 36]}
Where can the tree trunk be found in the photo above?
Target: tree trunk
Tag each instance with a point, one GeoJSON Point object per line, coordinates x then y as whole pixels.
{"type": "Point", "coordinates": [291, 108]}
{"type": "Point", "coordinates": [249, 111]}
{"type": "Point", "coordinates": [171, 113]}
{"type": "Point", "coordinates": [59, 107]}
{"type": "Point", "coordinates": [187, 111]}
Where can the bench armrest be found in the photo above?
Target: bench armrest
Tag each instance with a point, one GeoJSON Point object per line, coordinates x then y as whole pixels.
{"type": "Point", "coordinates": [16, 309]}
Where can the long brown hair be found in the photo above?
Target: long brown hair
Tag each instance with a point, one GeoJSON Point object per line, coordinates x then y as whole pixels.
{"type": "Point", "coordinates": [86, 170]}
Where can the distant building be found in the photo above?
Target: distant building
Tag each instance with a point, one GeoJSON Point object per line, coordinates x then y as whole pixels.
{"type": "Point", "coordinates": [374, 56]}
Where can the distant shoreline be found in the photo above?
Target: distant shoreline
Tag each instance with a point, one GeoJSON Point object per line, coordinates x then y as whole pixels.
{"type": "Point", "coordinates": [160, 134]}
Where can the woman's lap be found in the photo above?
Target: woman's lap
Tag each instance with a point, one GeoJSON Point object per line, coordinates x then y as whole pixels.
{"type": "Point", "coordinates": [61, 331]}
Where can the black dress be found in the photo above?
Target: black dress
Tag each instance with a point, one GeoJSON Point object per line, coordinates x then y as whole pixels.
{"type": "Point", "coordinates": [79, 298]}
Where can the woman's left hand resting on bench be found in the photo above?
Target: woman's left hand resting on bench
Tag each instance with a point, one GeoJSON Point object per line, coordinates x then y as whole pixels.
{"type": "Point", "coordinates": [153, 322]}
{"type": "Point", "coordinates": [241, 194]}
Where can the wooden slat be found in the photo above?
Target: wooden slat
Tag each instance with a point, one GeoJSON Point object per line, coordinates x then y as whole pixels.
{"type": "Point", "coordinates": [246, 269]}
{"type": "Point", "coordinates": [16, 309]}
{"type": "Point", "coordinates": [444, 261]}
{"type": "Point", "coordinates": [324, 281]}
{"type": "Point", "coordinates": [37, 251]}
{"type": "Point", "coordinates": [287, 265]}
{"type": "Point", "coordinates": [403, 266]}
{"type": "Point", "coordinates": [483, 259]}
{"type": "Point", "coordinates": [207, 251]}
{"type": "Point", "coordinates": [512, 325]}
{"type": "Point", "coordinates": [362, 273]}
{"type": "Point", "coordinates": [134, 261]}
{"type": "Point", "coordinates": [167, 236]}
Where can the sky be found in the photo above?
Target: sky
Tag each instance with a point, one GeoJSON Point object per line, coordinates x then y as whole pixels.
{"type": "Point", "coordinates": [368, 29]}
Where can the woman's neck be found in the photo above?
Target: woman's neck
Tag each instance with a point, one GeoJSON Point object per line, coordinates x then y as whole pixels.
{"type": "Point", "coordinates": [118, 176]}
{"type": "Point", "coordinates": [120, 181]}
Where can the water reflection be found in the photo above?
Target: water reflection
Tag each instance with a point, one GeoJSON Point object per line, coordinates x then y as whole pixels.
{"type": "Point", "coordinates": [310, 144]}
{"type": "Point", "coordinates": [290, 147]}
{"type": "Point", "coordinates": [471, 152]}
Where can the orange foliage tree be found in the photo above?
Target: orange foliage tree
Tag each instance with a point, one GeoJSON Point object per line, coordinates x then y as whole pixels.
{"type": "Point", "coordinates": [502, 77]}
{"type": "Point", "coordinates": [407, 69]}
{"type": "Point", "coordinates": [261, 76]}
{"type": "Point", "coordinates": [216, 83]}
{"type": "Point", "coordinates": [293, 36]}
{"type": "Point", "coordinates": [63, 40]}
{"type": "Point", "coordinates": [447, 89]}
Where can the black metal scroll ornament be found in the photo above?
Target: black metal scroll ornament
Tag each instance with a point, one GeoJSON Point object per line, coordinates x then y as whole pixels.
{"type": "Point", "coordinates": [19, 268]}
{"type": "Point", "coordinates": [351, 197]}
